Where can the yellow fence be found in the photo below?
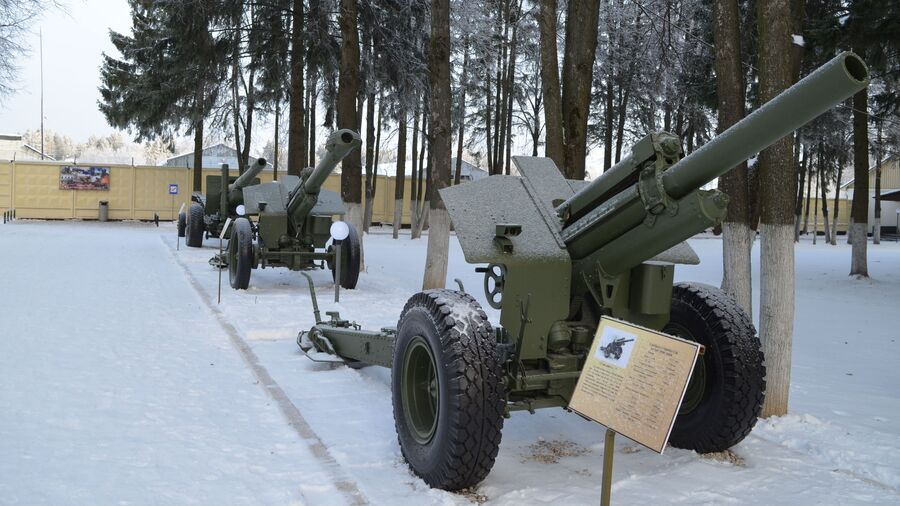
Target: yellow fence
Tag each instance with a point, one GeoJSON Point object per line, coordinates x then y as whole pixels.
{"type": "Point", "coordinates": [815, 214]}
{"type": "Point", "coordinates": [135, 192]}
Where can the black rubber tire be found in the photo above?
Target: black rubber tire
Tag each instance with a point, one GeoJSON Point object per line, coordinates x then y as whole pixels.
{"type": "Point", "coordinates": [734, 373]}
{"type": "Point", "coordinates": [194, 230]}
{"type": "Point", "coordinates": [182, 224]}
{"type": "Point", "coordinates": [471, 399]}
{"type": "Point", "coordinates": [350, 253]}
{"type": "Point", "coordinates": [240, 254]}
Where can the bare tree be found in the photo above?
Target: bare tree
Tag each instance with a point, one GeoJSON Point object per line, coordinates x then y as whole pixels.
{"type": "Point", "coordinates": [16, 17]}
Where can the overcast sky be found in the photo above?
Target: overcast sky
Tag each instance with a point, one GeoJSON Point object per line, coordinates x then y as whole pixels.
{"type": "Point", "coordinates": [73, 44]}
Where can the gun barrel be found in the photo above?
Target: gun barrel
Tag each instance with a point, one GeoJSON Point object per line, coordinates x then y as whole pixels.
{"type": "Point", "coordinates": [338, 146]}
{"type": "Point", "coordinates": [247, 177]}
{"type": "Point", "coordinates": [605, 214]}
{"type": "Point", "coordinates": [815, 94]}
{"type": "Point", "coordinates": [304, 196]}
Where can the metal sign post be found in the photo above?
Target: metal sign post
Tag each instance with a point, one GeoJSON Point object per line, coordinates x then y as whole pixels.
{"type": "Point", "coordinates": [178, 232]}
{"type": "Point", "coordinates": [173, 190]}
{"type": "Point", "coordinates": [609, 446]}
{"type": "Point", "coordinates": [337, 270]}
{"type": "Point", "coordinates": [221, 240]}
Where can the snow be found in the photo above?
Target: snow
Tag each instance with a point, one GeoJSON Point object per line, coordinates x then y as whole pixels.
{"type": "Point", "coordinates": [798, 40]}
{"type": "Point", "coordinates": [124, 382]}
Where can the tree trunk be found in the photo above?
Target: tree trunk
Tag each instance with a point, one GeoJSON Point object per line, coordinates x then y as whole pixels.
{"type": "Point", "coordinates": [313, 98]}
{"type": "Point", "coordinates": [296, 134]}
{"type": "Point", "coordinates": [277, 132]}
{"type": "Point", "coordinates": [510, 88]}
{"type": "Point", "coordinates": [859, 210]}
{"type": "Point", "coordinates": [370, 158]}
{"type": "Point", "coordinates": [823, 182]}
{"type": "Point", "coordinates": [578, 66]}
{"type": "Point", "coordinates": [400, 180]}
{"type": "Point", "coordinates": [235, 91]}
{"type": "Point", "coordinates": [461, 108]}
{"type": "Point", "coordinates": [776, 177]}
{"type": "Point", "coordinates": [837, 194]}
{"type": "Point", "coordinates": [348, 116]}
{"type": "Point", "coordinates": [248, 122]}
{"type": "Point", "coordinates": [487, 120]}
{"type": "Point", "coordinates": [441, 135]}
{"type": "Point", "coordinates": [608, 123]}
{"type": "Point", "coordinates": [801, 175]}
{"type": "Point", "coordinates": [876, 232]}
{"type": "Point", "coordinates": [424, 174]}
{"type": "Point", "coordinates": [620, 115]}
{"type": "Point", "coordinates": [738, 232]}
{"type": "Point", "coordinates": [377, 155]}
{"type": "Point", "coordinates": [198, 154]}
{"type": "Point", "coordinates": [414, 175]}
{"type": "Point", "coordinates": [816, 203]}
{"type": "Point", "coordinates": [808, 190]}
{"type": "Point", "coordinates": [553, 147]}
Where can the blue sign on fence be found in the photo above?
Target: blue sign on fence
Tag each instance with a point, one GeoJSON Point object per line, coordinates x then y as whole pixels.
{"type": "Point", "coordinates": [173, 189]}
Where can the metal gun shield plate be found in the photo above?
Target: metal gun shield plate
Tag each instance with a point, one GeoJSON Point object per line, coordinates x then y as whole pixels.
{"type": "Point", "coordinates": [329, 204]}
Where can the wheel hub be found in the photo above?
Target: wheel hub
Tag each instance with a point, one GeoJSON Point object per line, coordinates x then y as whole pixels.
{"type": "Point", "coordinates": [420, 391]}
{"type": "Point", "coordinates": [696, 389]}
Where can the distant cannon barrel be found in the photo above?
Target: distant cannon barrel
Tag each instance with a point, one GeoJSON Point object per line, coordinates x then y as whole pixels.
{"type": "Point", "coordinates": [305, 195]}
{"type": "Point", "coordinates": [613, 204]}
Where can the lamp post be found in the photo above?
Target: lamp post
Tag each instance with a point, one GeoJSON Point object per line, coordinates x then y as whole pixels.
{"type": "Point", "coordinates": [339, 232]}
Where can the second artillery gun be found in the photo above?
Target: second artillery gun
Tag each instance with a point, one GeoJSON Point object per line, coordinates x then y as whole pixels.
{"type": "Point", "coordinates": [293, 217]}
{"type": "Point", "coordinates": [561, 255]}
{"type": "Point", "coordinates": [224, 198]}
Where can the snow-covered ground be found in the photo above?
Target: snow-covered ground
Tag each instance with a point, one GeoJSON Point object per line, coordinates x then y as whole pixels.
{"type": "Point", "coordinates": [123, 381]}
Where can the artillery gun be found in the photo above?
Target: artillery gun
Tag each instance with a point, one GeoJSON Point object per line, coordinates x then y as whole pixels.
{"type": "Point", "coordinates": [293, 217]}
{"type": "Point", "coordinates": [560, 256]}
{"type": "Point", "coordinates": [615, 348]}
{"type": "Point", "coordinates": [224, 196]}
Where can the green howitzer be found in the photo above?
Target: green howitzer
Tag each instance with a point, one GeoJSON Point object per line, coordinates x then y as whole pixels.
{"type": "Point", "coordinates": [292, 225]}
{"type": "Point", "coordinates": [561, 255]}
{"type": "Point", "coordinates": [224, 198]}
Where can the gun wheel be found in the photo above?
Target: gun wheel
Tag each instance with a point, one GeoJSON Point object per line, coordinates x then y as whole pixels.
{"type": "Point", "coordinates": [240, 254]}
{"type": "Point", "coordinates": [447, 390]}
{"type": "Point", "coordinates": [194, 227]}
{"type": "Point", "coordinates": [350, 252]}
{"type": "Point", "coordinates": [725, 395]}
{"type": "Point", "coordinates": [182, 224]}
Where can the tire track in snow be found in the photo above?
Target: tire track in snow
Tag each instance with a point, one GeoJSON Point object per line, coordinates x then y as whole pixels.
{"type": "Point", "coordinates": [294, 418]}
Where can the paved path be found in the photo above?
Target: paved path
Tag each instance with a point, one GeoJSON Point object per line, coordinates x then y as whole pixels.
{"type": "Point", "coordinates": [119, 385]}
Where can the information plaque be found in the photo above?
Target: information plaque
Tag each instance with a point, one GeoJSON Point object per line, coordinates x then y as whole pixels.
{"type": "Point", "coordinates": [634, 381]}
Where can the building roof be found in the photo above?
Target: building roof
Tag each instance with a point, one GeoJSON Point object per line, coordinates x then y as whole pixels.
{"type": "Point", "coordinates": [467, 171]}
{"type": "Point", "coordinates": [213, 157]}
